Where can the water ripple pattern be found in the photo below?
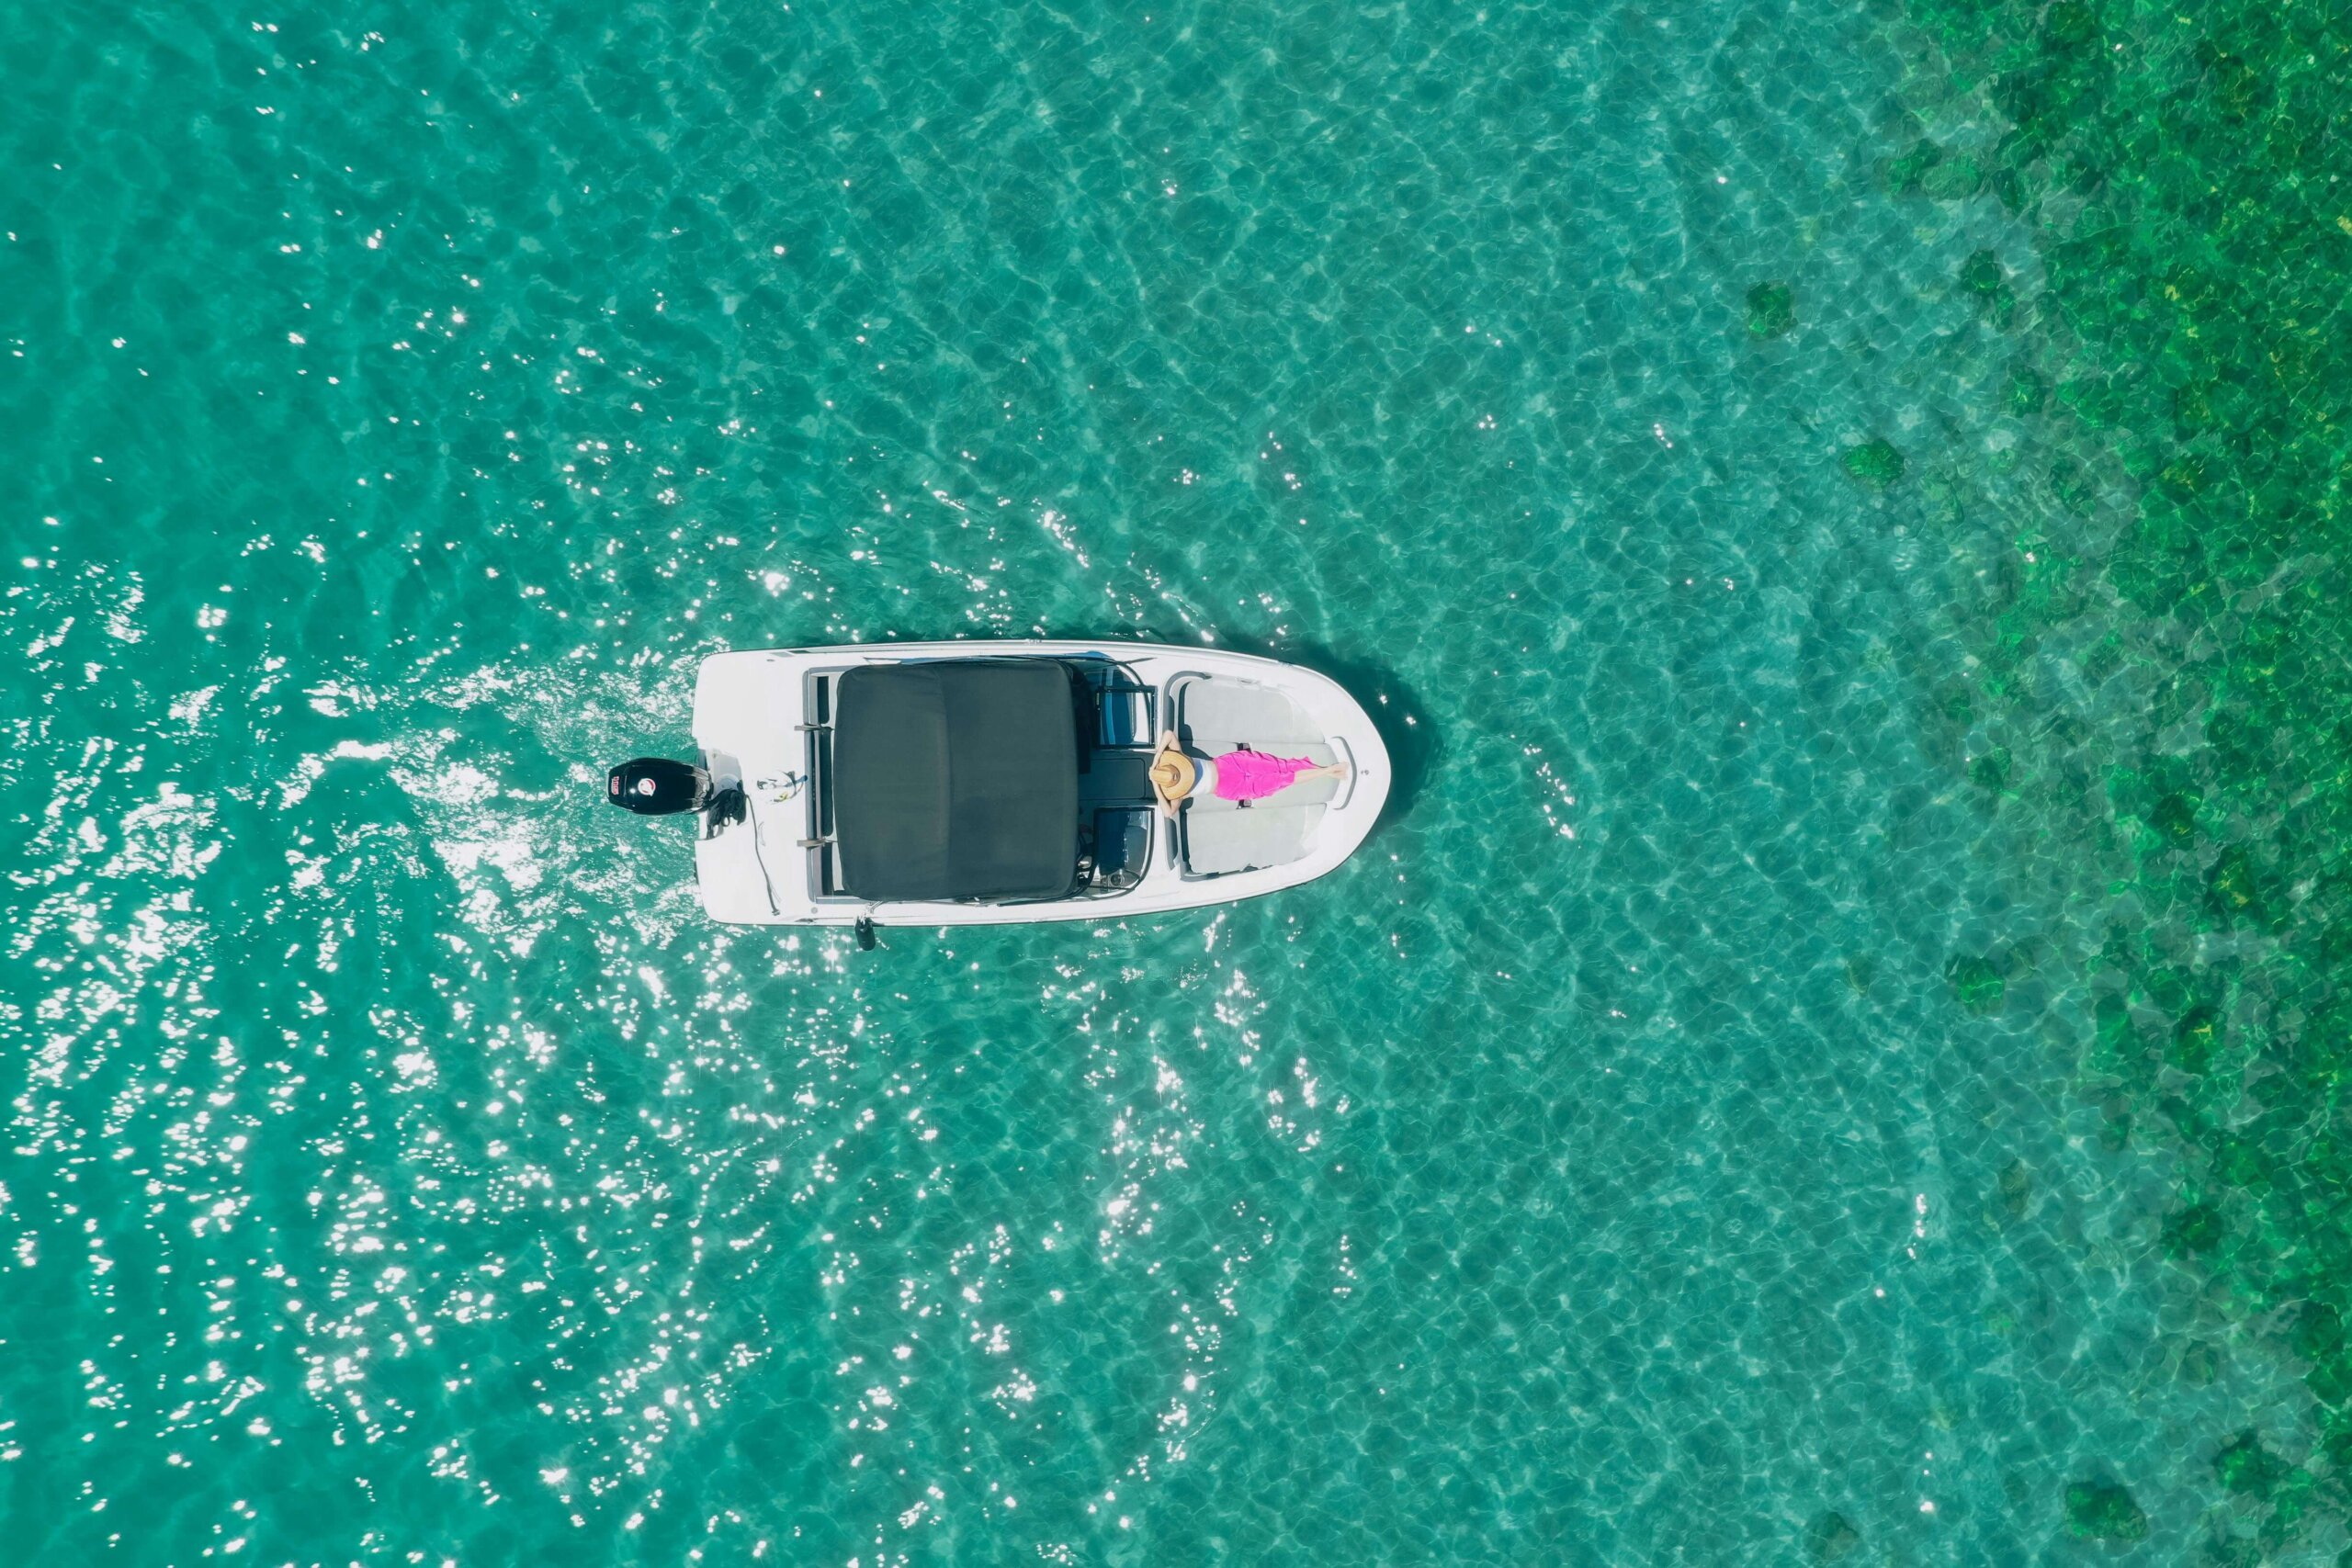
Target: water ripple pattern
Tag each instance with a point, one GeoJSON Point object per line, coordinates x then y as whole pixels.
{"type": "Point", "coordinates": [1608, 1166]}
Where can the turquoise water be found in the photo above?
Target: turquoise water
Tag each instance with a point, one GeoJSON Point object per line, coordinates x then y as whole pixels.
{"type": "Point", "coordinates": [1674, 1139]}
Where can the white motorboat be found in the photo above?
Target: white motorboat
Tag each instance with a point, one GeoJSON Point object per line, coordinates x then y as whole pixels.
{"type": "Point", "coordinates": [949, 784]}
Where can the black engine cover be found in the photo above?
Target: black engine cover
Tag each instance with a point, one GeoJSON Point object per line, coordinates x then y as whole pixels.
{"type": "Point", "coordinates": [657, 786]}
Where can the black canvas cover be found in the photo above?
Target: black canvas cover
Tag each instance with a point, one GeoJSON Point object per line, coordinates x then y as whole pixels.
{"type": "Point", "coordinates": [955, 779]}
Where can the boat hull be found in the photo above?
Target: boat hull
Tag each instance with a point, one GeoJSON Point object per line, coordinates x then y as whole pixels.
{"type": "Point", "coordinates": [751, 707]}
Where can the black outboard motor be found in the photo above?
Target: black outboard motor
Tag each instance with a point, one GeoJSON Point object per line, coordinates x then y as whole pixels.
{"type": "Point", "coordinates": [657, 786]}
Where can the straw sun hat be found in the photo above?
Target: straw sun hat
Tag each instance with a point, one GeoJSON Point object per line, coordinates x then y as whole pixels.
{"type": "Point", "coordinates": [1172, 775]}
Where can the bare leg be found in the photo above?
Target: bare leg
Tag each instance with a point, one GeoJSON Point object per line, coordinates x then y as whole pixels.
{"type": "Point", "coordinates": [1328, 771]}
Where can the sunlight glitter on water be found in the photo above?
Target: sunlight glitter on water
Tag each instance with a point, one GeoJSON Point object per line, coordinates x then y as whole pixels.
{"type": "Point", "coordinates": [403, 1169]}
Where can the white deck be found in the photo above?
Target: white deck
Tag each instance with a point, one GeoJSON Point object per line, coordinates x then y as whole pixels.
{"type": "Point", "coordinates": [749, 710]}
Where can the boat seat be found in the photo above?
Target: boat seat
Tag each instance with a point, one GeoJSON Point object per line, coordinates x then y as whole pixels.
{"type": "Point", "coordinates": [1261, 716]}
{"type": "Point", "coordinates": [1119, 776]}
{"type": "Point", "coordinates": [1214, 717]}
{"type": "Point", "coordinates": [1265, 835]}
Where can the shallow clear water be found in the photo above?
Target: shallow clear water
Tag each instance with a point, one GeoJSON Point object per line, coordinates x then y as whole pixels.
{"type": "Point", "coordinates": [1668, 1142]}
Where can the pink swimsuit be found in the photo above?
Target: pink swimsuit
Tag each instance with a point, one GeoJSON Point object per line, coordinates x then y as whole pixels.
{"type": "Point", "coordinates": [1253, 775]}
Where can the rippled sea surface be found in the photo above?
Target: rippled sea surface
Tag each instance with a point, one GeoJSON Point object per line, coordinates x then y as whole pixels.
{"type": "Point", "coordinates": [1786, 1083]}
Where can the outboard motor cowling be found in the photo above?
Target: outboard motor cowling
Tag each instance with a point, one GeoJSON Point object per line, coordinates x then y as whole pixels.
{"type": "Point", "coordinates": [658, 786]}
